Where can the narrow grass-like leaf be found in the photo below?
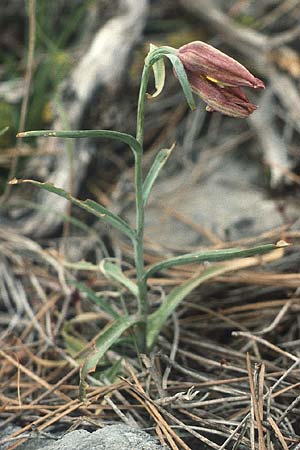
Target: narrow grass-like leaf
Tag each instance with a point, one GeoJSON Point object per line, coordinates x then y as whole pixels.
{"type": "Point", "coordinates": [65, 217]}
{"type": "Point", "coordinates": [159, 74]}
{"type": "Point", "coordinates": [89, 205]}
{"type": "Point", "coordinates": [4, 130]}
{"type": "Point", "coordinates": [111, 270]}
{"type": "Point", "coordinates": [212, 256]}
{"type": "Point", "coordinates": [111, 218]}
{"type": "Point", "coordinates": [155, 56]}
{"type": "Point", "coordinates": [109, 134]}
{"type": "Point", "coordinates": [156, 53]}
{"type": "Point", "coordinates": [158, 163]}
{"type": "Point", "coordinates": [73, 344]}
{"type": "Point", "coordinates": [81, 265]}
{"type": "Point", "coordinates": [95, 298]}
{"type": "Point", "coordinates": [111, 373]}
{"type": "Point", "coordinates": [172, 300]}
{"type": "Point", "coordinates": [183, 80]}
{"type": "Point", "coordinates": [108, 338]}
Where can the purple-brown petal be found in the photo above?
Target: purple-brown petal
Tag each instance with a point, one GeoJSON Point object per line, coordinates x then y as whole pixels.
{"type": "Point", "coordinates": [208, 61]}
{"type": "Point", "coordinates": [228, 100]}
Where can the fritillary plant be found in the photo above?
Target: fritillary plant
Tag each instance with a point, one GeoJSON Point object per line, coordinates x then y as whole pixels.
{"type": "Point", "coordinates": [218, 80]}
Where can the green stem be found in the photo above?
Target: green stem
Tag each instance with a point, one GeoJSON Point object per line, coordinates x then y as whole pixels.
{"type": "Point", "coordinates": [141, 105]}
{"type": "Point", "coordinates": [141, 331]}
{"type": "Point", "coordinates": [139, 242]}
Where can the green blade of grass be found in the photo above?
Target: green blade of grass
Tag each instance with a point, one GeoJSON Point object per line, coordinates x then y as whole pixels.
{"type": "Point", "coordinates": [171, 53]}
{"type": "Point", "coordinates": [212, 256]}
{"type": "Point", "coordinates": [65, 217]}
{"type": "Point", "coordinates": [158, 163]}
{"type": "Point", "coordinates": [174, 298]}
{"type": "Point", "coordinates": [82, 287]}
{"type": "Point", "coordinates": [159, 74]}
{"type": "Point", "coordinates": [183, 80]}
{"type": "Point", "coordinates": [108, 134]}
{"type": "Point", "coordinates": [108, 338]}
{"type": "Point", "coordinates": [89, 205]}
{"type": "Point", "coordinates": [111, 373]}
{"type": "Point", "coordinates": [4, 130]}
{"type": "Point", "coordinates": [114, 272]}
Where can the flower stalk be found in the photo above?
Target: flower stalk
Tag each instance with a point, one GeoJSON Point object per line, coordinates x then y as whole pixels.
{"type": "Point", "coordinates": [141, 329]}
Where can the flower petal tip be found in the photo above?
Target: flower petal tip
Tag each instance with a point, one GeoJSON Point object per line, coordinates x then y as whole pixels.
{"type": "Point", "coordinates": [259, 84]}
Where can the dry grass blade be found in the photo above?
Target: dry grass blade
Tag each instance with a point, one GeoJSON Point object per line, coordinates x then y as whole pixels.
{"type": "Point", "coordinates": [278, 433]}
{"type": "Point", "coordinates": [277, 319]}
{"type": "Point", "coordinates": [28, 80]}
{"type": "Point", "coordinates": [32, 375]}
{"type": "Point", "coordinates": [267, 344]}
{"type": "Point", "coordinates": [261, 441]}
{"type": "Point", "coordinates": [240, 426]}
{"type": "Point", "coordinates": [260, 392]}
{"type": "Point", "coordinates": [290, 408]}
{"type": "Point", "coordinates": [140, 395]}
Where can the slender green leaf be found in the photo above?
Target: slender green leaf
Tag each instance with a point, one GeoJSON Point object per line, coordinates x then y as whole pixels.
{"type": "Point", "coordinates": [111, 373]}
{"type": "Point", "coordinates": [109, 134]}
{"type": "Point", "coordinates": [65, 217]}
{"type": "Point", "coordinates": [212, 256]}
{"type": "Point", "coordinates": [100, 301]}
{"type": "Point", "coordinates": [159, 74]}
{"type": "Point", "coordinates": [89, 205]}
{"type": "Point", "coordinates": [3, 130]}
{"type": "Point", "coordinates": [183, 80]}
{"type": "Point", "coordinates": [108, 338]}
{"type": "Point", "coordinates": [156, 53]}
{"type": "Point", "coordinates": [81, 265]}
{"type": "Point", "coordinates": [111, 218]}
{"type": "Point", "coordinates": [173, 299]}
{"type": "Point", "coordinates": [157, 319]}
{"type": "Point", "coordinates": [73, 344]}
{"type": "Point", "coordinates": [111, 270]}
{"type": "Point", "coordinates": [158, 163]}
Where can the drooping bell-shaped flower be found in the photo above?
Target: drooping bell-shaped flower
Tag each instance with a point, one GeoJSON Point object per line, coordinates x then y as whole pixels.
{"type": "Point", "coordinates": [217, 79]}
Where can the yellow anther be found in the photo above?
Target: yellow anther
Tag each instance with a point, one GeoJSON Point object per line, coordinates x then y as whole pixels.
{"type": "Point", "coordinates": [213, 80]}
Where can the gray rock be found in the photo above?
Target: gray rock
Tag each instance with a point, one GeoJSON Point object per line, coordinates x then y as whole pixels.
{"type": "Point", "coordinates": [113, 437]}
{"type": "Point", "coordinates": [227, 201]}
